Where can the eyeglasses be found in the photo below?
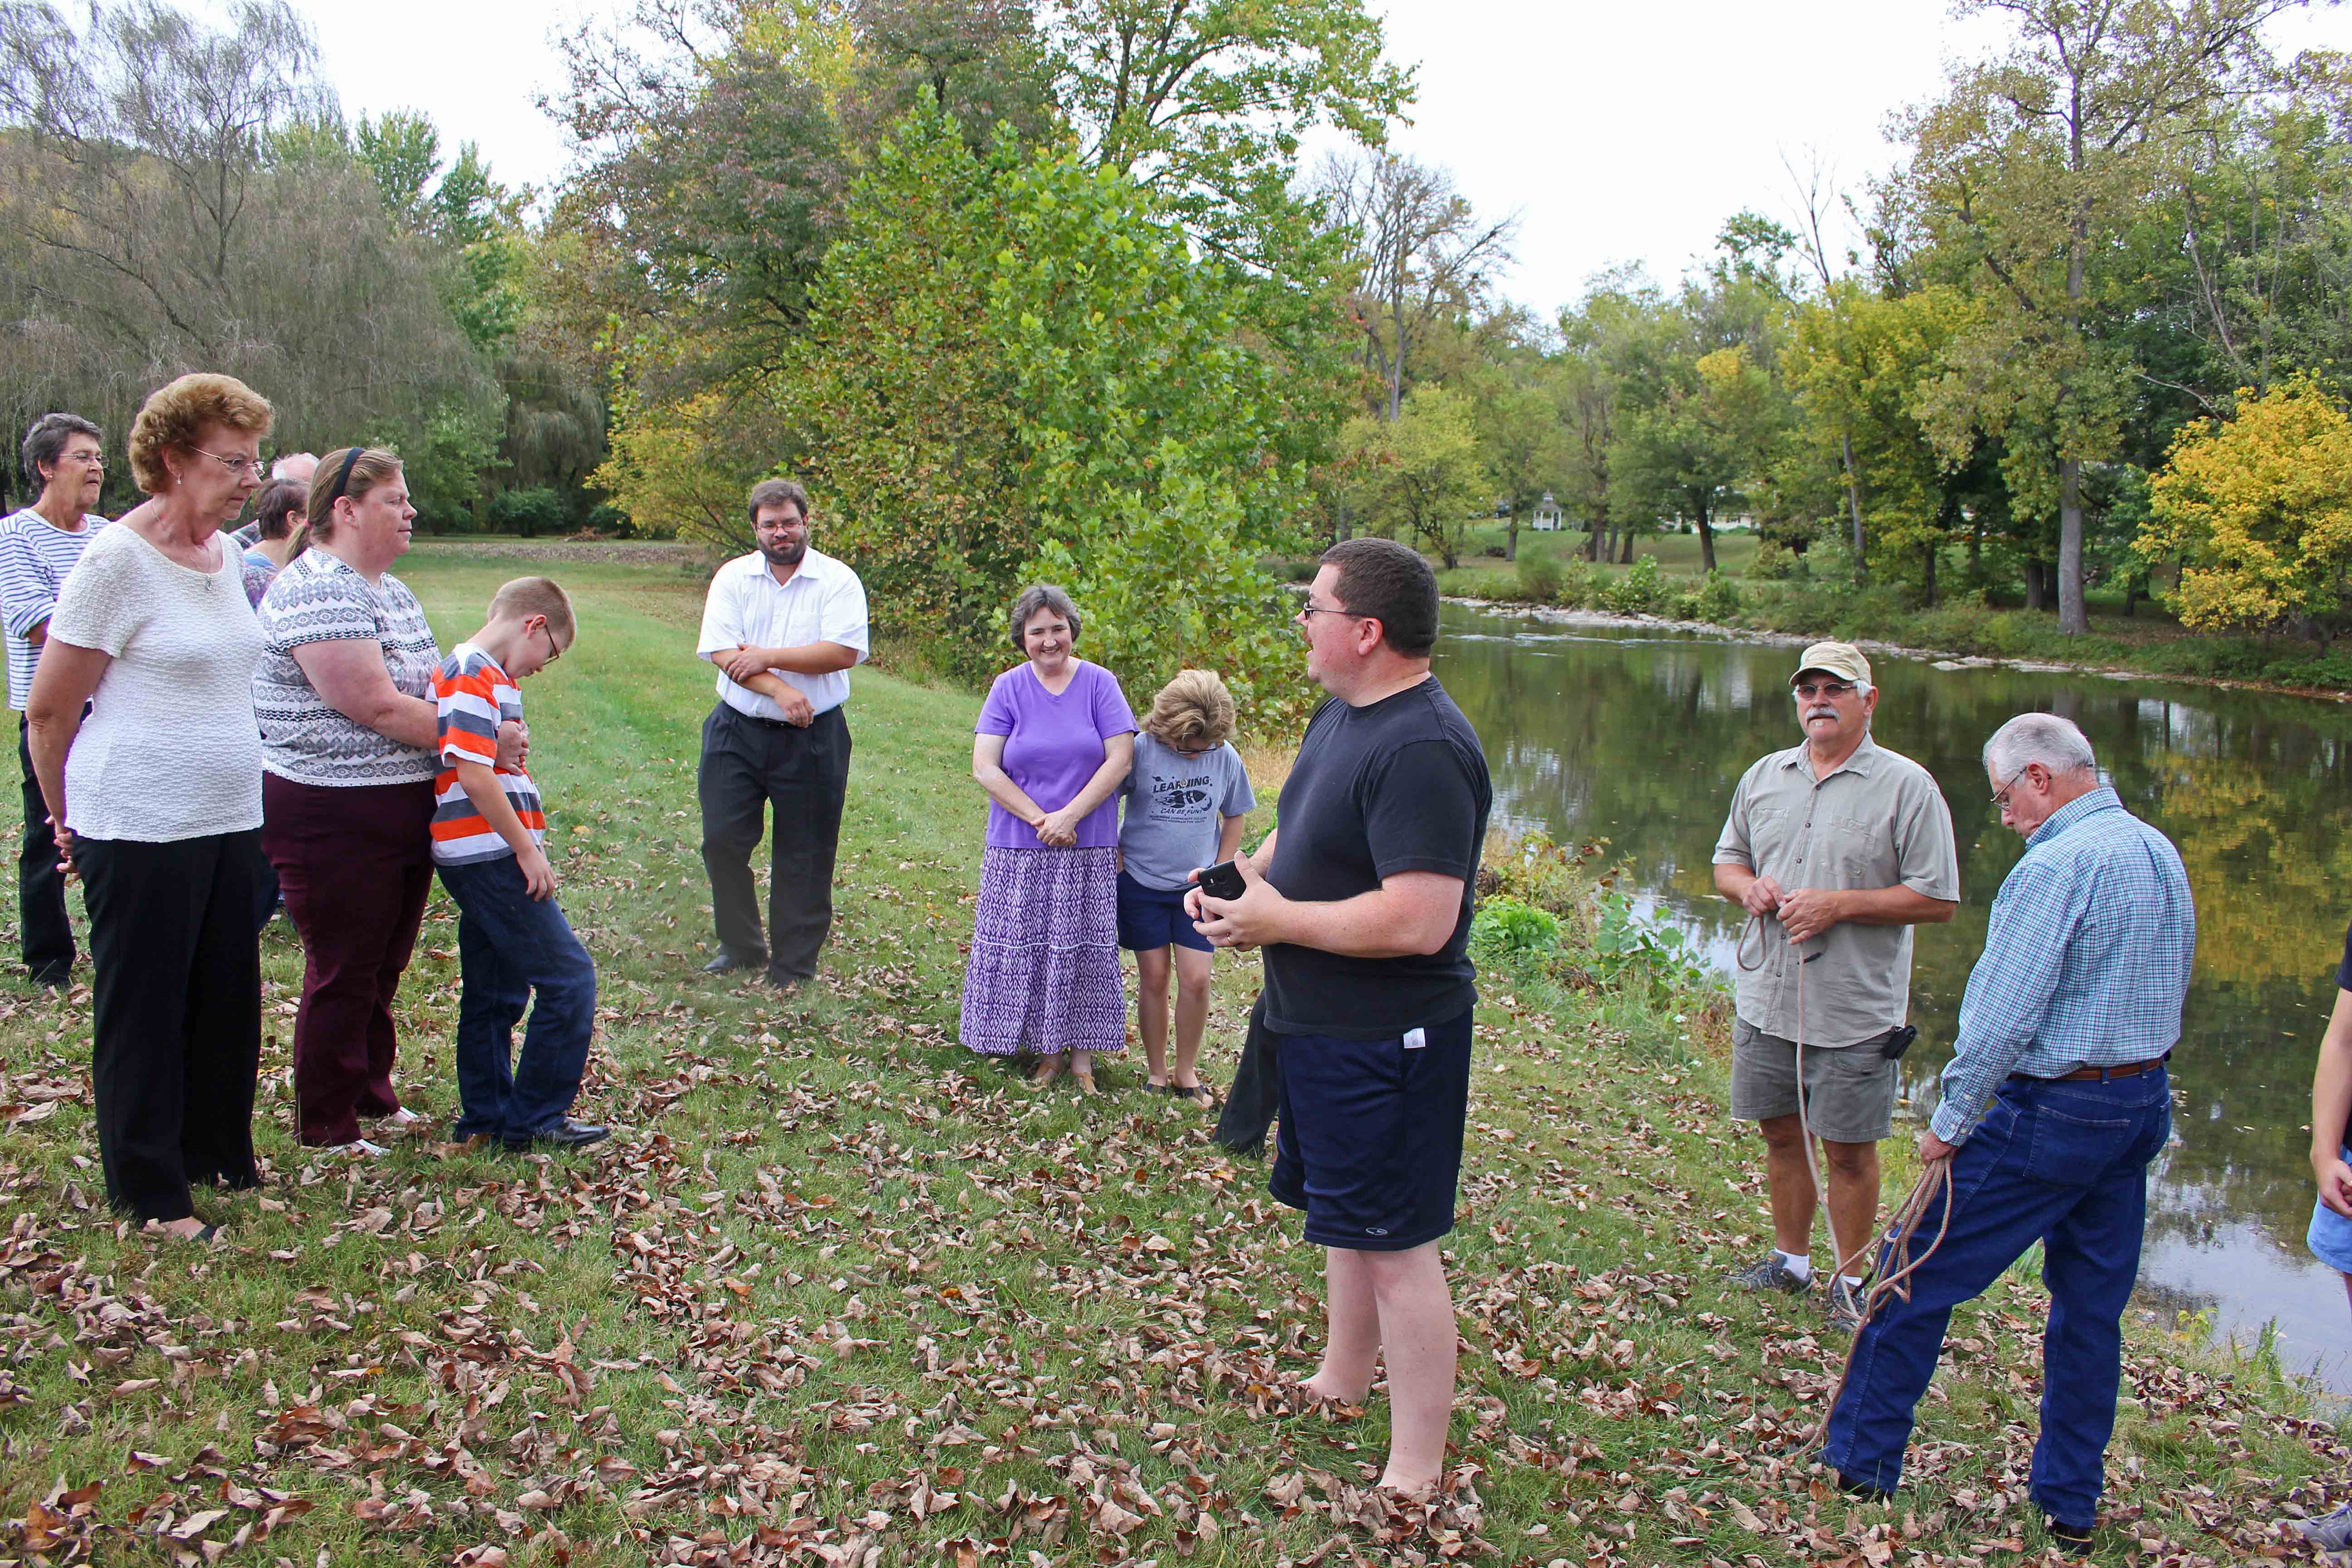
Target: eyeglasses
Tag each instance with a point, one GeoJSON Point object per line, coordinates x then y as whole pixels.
{"type": "Point", "coordinates": [240, 466]}
{"type": "Point", "coordinates": [1833, 690]}
{"type": "Point", "coordinates": [2000, 801]}
{"type": "Point", "coordinates": [90, 460]}
{"type": "Point", "coordinates": [553, 652]}
{"type": "Point", "coordinates": [1324, 610]}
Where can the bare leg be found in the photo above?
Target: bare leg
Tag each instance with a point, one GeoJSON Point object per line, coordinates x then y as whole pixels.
{"type": "Point", "coordinates": [1082, 1068]}
{"type": "Point", "coordinates": [1354, 1344]}
{"type": "Point", "coordinates": [1193, 975]}
{"type": "Point", "coordinates": [1853, 1176]}
{"type": "Point", "coordinates": [1791, 1182]}
{"type": "Point", "coordinates": [1049, 1068]}
{"type": "Point", "coordinates": [1417, 1341]}
{"type": "Point", "coordinates": [1151, 1009]}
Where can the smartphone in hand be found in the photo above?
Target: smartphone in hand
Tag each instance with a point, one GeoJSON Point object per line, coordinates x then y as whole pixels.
{"type": "Point", "coordinates": [1222, 880]}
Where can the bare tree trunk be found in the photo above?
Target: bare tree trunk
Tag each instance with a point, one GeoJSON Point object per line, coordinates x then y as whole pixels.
{"type": "Point", "coordinates": [1511, 537]}
{"type": "Point", "coordinates": [2037, 586]}
{"type": "Point", "coordinates": [1625, 557]}
{"type": "Point", "coordinates": [1928, 572]}
{"type": "Point", "coordinates": [1706, 538]}
{"type": "Point", "coordinates": [1854, 506]}
{"type": "Point", "coordinates": [2073, 615]}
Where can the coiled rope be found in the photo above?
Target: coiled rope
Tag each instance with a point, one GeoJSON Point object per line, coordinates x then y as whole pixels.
{"type": "Point", "coordinates": [1935, 1181]}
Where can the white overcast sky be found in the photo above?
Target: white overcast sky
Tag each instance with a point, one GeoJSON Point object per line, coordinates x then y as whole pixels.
{"type": "Point", "coordinates": [1619, 132]}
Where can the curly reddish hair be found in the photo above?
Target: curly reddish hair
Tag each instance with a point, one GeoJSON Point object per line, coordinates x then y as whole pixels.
{"type": "Point", "coordinates": [173, 414]}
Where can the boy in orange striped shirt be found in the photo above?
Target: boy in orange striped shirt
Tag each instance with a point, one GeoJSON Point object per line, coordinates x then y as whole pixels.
{"type": "Point", "coordinates": [512, 938]}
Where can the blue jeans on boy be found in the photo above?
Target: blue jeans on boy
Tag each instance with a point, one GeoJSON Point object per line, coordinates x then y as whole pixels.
{"type": "Point", "coordinates": [510, 944]}
{"type": "Point", "coordinates": [2058, 1161]}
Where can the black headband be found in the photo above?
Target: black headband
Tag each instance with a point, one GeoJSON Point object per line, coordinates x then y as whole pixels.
{"type": "Point", "coordinates": [345, 476]}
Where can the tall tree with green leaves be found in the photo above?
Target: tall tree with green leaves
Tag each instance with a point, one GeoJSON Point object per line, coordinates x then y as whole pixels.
{"type": "Point", "coordinates": [2029, 167]}
{"type": "Point", "coordinates": [1423, 474]}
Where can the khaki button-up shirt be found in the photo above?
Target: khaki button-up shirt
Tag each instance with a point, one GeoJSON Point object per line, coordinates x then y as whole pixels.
{"type": "Point", "coordinates": [1876, 822]}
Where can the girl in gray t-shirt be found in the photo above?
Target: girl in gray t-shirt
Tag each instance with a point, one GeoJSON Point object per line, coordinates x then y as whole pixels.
{"type": "Point", "coordinates": [1185, 800]}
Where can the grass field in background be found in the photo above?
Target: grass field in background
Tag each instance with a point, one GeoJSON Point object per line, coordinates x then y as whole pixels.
{"type": "Point", "coordinates": [839, 1293]}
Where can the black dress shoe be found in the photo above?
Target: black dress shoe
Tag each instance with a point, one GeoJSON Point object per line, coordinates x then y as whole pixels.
{"type": "Point", "coordinates": [562, 1133]}
{"type": "Point", "coordinates": [1862, 1489]}
{"type": "Point", "coordinates": [54, 979]}
{"type": "Point", "coordinates": [727, 964]}
{"type": "Point", "coordinates": [2070, 1540]}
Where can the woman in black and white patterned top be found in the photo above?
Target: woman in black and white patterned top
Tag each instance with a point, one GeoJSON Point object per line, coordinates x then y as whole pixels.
{"type": "Point", "coordinates": [344, 697]}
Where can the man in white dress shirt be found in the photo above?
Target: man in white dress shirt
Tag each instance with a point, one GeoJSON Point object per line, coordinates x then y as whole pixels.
{"type": "Point", "coordinates": [784, 625]}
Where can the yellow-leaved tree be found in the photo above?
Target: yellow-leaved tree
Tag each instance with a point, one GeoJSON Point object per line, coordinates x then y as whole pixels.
{"type": "Point", "coordinates": [2258, 510]}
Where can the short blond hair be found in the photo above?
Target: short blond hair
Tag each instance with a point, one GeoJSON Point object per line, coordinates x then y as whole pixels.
{"type": "Point", "coordinates": [537, 597]}
{"type": "Point", "coordinates": [1194, 712]}
{"type": "Point", "coordinates": [175, 414]}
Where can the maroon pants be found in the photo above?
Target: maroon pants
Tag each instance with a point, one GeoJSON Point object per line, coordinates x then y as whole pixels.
{"type": "Point", "coordinates": [356, 866]}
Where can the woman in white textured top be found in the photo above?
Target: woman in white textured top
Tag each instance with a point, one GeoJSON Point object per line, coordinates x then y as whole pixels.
{"type": "Point", "coordinates": [158, 796]}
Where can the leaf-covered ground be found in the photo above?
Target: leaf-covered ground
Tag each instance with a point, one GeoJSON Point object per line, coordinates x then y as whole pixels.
{"type": "Point", "coordinates": [838, 1292]}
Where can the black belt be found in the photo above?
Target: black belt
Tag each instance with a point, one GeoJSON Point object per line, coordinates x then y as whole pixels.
{"type": "Point", "coordinates": [778, 723]}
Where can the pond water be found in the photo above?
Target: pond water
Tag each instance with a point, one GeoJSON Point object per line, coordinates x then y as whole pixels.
{"type": "Point", "coordinates": [1638, 736]}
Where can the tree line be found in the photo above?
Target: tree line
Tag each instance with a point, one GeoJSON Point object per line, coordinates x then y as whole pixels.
{"type": "Point", "coordinates": [1026, 290]}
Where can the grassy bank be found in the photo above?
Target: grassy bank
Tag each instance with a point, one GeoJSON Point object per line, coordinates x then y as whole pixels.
{"type": "Point", "coordinates": [838, 1292]}
{"type": "Point", "coordinates": [2148, 641]}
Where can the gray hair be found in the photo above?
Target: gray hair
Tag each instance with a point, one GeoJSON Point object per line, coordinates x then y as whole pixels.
{"type": "Point", "coordinates": [2044, 738]}
{"type": "Point", "coordinates": [1042, 596]}
{"type": "Point", "coordinates": [46, 440]}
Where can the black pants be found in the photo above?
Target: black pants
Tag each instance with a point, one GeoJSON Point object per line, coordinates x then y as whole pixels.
{"type": "Point", "coordinates": [176, 1014]}
{"type": "Point", "coordinates": [40, 885]}
{"type": "Point", "coordinates": [748, 764]}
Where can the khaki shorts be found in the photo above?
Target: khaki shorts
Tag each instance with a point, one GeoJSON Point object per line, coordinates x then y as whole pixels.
{"type": "Point", "coordinates": [1849, 1092]}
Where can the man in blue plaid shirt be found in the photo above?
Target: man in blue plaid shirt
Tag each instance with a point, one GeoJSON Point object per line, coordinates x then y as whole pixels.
{"type": "Point", "coordinates": [2055, 1103]}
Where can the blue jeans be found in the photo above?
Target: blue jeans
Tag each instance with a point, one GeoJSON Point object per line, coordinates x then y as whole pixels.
{"type": "Point", "coordinates": [508, 945]}
{"type": "Point", "coordinates": [2063, 1163]}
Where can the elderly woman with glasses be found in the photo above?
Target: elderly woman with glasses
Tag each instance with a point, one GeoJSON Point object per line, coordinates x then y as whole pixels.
{"type": "Point", "coordinates": [157, 793]}
{"type": "Point", "coordinates": [1055, 740]}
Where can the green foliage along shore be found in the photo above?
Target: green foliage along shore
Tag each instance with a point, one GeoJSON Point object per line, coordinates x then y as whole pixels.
{"type": "Point", "coordinates": [838, 1292]}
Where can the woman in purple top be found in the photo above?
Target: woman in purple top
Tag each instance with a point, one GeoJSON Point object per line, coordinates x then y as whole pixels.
{"type": "Point", "coordinates": [1054, 740]}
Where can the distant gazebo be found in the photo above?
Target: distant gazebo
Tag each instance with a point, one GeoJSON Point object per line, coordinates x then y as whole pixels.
{"type": "Point", "coordinates": [1546, 519]}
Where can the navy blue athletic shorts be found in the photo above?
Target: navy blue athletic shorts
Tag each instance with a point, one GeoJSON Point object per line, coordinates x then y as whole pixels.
{"type": "Point", "coordinates": [1370, 1144]}
{"type": "Point", "coordinates": [1151, 917]}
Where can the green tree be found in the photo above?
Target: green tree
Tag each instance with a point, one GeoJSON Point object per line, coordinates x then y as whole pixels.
{"type": "Point", "coordinates": [1016, 365]}
{"type": "Point", "coordinates": [2029, 167]}
{"type": "Point", "coordinates": [1206, 102]}
{"type": "Point", "coordinates": [1857, 362]}
{"type": "Point", "coordinates": [1423, 474]}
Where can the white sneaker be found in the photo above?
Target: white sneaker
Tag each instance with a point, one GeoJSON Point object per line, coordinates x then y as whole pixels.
{"type": "Point", "coordinates": [358, 1147]}
{"type": "Point", "coordinates": [403, 1117]}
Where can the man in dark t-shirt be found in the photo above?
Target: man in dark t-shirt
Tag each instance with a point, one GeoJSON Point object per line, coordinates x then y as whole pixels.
{"type": "Point", "coordinates": [1361, 903]}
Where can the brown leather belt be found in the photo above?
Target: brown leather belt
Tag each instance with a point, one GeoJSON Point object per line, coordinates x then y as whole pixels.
{"type": "Point", "coordinates": [2128, 1069]}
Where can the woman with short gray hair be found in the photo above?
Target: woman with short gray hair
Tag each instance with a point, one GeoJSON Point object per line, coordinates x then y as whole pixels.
{"type": "Point", "coordinates": [1055, 740]}
{"type": "Point", "coordinates": [38, 546]}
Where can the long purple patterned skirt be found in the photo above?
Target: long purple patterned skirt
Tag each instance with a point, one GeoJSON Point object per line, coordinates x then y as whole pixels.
{"type": "Point", "coordinates": [1044, 977]}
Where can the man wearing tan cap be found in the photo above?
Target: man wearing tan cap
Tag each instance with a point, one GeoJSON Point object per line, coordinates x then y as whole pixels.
{"type": "Point", "coordinates": [1836, 848]}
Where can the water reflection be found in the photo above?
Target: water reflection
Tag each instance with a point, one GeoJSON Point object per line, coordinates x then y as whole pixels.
{"type": "Point", "coordinates": [1640, 741]}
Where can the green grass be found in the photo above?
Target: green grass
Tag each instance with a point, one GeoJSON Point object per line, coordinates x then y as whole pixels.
{"type": "Point", "coordinates": [836, 1284]}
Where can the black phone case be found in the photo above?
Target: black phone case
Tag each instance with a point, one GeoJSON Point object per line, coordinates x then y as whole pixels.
{"type": "Point", "coordinates": [1222, 881]}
